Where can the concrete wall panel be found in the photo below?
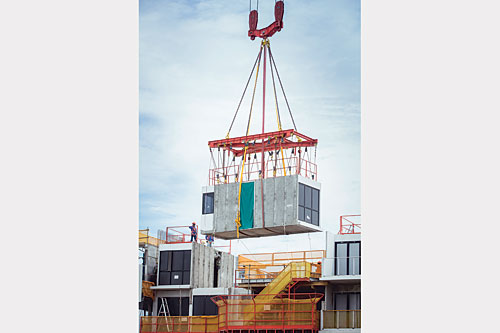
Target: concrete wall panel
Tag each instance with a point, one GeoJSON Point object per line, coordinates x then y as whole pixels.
{"type": "Point", "coordinates": [280, 208]}
{"type": "Point", "coordinates": [257, 206]}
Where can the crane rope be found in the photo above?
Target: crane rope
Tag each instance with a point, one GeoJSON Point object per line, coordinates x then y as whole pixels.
{"type": "Point", "coordinates": [275, 95]}
{"type": "Point", "coordinates": [250, 5]}
{"type": "Point", "coordinates": [281, 84]}
{"type": "Point", "coordinates": [277, 108]}
{"type": "Point", "coordinates": [238, 218]}
{"type": "Point", "coordinates": [244, 91]}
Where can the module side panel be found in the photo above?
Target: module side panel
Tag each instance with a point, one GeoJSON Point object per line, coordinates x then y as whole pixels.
{"type": "Point", "coordinates": [257, 215]}
{"type": "Point", "coordinates": [280, 191]}
{"type": "Point", "coordinates": [269, 202]}
{"type": "Point", "coordinates": [280, 203]}
{"type": "Point", "coordinates": [291, 199]}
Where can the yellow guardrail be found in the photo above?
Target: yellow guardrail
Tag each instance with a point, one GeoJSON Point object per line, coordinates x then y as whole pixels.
{"type": "Point", "coordinates": [144, 238]}
{"type": "Point", "coordinates": [188, 324]}
{"type": "Point", "coordinates": [294, 270]}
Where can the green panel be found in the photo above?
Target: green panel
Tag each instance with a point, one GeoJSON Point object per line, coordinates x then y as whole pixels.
{"type": "Point", "coordinates": [246, 205]}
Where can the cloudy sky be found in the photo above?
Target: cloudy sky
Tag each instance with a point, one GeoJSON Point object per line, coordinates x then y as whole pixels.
{"type": "Point", "coordinates": [195, 58]}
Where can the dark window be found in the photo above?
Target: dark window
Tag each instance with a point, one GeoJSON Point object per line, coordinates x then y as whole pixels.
{"type": "Point", "coordinates": [347, 301]}
{"type": "Point", "coordinates": [208, 203]}
{"type": "Point", "coordinates": [177, 260]}
{"type": "Point", "coordinates": [165, 261]}
{"type": "Point", "coordinates": [177, 306]}
{"type": "Point", "coordinates": [301, 213]}
{"type": "Point", "coordinates": [174, 267]}
{"type": "Point", "coordinates": [341, 259]}
{"type": "Point", "coordinates": [354, 258]}
{"type": "Point", "coordinates": [308, 204]}
{"type": "Point", "coordinates": [341, 301]}
{"type": "Point", "coordinates": [308, 197]}
{"type": "Point", "coordinates": [308, 215]}
{"type": "Point", "coordinates": [315, 200]}
{"type": "Point", "coordinates": [164, 278]}
{"type": "Point", "coordinates": [203, 306]}
{"type": "Point", "coordinates": [348, 258]}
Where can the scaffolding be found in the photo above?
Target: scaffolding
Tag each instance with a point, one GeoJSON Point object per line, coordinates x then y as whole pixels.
{"type": "Point", "coordinates": [275, 308]}
{"type": "Point", "coordinates": [177, 324]}
{"type": "Point", "coordinates": [263, 312]}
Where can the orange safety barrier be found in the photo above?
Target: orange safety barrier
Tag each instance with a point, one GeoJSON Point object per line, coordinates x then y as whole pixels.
{"type": "Point", "coordinates": [280, 258]}
{"type": "Point", "coordinates": [251, 274]}
{"type": "Point", "coordinates": [276, 312]}
{"type": "Point", "coordinates": [269, 265]}
{"type": "Point", "coordinates": [177, 324]}
{"type": "Point", "coordinates": [180, 234]}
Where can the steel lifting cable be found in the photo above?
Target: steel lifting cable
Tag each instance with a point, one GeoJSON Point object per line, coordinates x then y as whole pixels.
{"type": "Point", "coordinates": [215, 165]}
{"type": "Point", "coordinates": [283, 90]}
{"type": "Point", "coordinates": [253, 94]}
{"type": "Point", "coordinates": [250, 5]}
{"type": "Point", "coordinates": [244, 91]}
{"type": "Point", "coordinates": [277, 108]}
{"type": "Point", "coordinates": [274, 89]}
{"type": "Point", "coordinates": [238, 223]}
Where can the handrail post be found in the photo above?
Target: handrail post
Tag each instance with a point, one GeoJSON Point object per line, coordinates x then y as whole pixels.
{"type": "Point", "coordinates": [283, 314]}
{"type": "Point", "coordinates": [254, 315]}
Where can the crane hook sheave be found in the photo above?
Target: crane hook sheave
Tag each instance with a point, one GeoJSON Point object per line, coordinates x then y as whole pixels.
{"type": "Point", "coordinates": [277, 25]}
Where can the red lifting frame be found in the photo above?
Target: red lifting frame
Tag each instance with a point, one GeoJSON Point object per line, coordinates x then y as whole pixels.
{"type": "Point", "coordinates": [264, 141]}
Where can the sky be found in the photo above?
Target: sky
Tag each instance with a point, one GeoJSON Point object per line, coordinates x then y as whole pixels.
{"type": "Point", "coordinates": [194, 60]}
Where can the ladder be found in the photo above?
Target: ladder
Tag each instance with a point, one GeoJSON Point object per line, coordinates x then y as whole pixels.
{"type": "Point", "coordinates": [164, 310]}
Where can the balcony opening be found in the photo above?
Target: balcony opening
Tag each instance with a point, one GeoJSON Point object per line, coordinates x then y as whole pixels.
{"type": "Point", "coordinates": [348, 258]}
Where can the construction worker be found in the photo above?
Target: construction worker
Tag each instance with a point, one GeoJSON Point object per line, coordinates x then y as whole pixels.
{"type": "Point", "coordinates": [209, 239]}
{"type": "Point", "coordinates": [194, 232]}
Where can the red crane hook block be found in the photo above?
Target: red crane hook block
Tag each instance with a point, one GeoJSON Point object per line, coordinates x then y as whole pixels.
{"type": "Point", "coordinates": [277, 25]}
{"type": "Point", "coordinates": [253, 19]}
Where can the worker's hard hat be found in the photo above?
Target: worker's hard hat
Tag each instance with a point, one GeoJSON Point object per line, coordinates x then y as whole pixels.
{"type": "Point", "coordinates": [194, 222]}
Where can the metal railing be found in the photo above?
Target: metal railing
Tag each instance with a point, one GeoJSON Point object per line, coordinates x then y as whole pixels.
{"type": "Point", "coordinates": [280, 258]}
{"type": "Point", "coordinates": [273, 168]}
{"type": "Point", "coordinates": [180, 234]}
{"type": "Point", "coordinates": [341, 319]}
{"type": "Point", "coordinates": [269, 265]}
{"type": "Point", "coordinates": [276, 312]}
{"type": "Point", "coordinates": [349, 224]}
{"type": "Point", "coordinates": [250, 273]}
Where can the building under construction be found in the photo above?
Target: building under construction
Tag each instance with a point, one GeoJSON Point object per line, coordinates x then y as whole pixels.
{"type": "Point", "coordinates": [259, 185]}
{"type": "Point", "coordinates": [200, 288]}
